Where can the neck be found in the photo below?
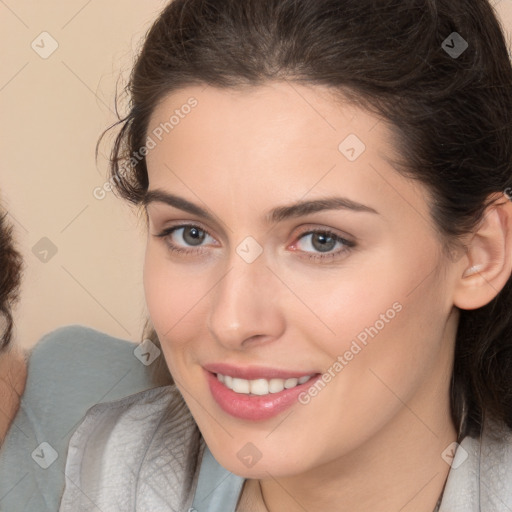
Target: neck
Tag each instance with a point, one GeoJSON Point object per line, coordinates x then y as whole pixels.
{"type": "Point", "coordinates": [13, 375]}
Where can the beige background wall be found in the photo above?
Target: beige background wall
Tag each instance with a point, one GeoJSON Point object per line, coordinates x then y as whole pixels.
{"type": "Point", "coordinates": [53, 108]}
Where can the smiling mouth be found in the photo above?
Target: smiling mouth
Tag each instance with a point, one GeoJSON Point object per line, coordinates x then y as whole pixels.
{"type": "Point", "coordinates": [256, 398]}
{"type": "Point", "coordinates": [261, 387]}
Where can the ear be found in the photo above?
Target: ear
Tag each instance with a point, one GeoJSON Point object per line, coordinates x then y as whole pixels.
{"type": "Point", "coordinates": [487, 265]}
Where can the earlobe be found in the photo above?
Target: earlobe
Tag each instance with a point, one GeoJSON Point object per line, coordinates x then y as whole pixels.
{"type": "Point", "coordinates": [488, 262]}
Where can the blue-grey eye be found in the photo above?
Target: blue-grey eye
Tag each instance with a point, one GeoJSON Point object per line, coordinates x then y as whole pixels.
{"type": "Point", "coordinates": [193, 235]}
{"type": "Point", "coordinates": [320, 241]}
{"type": "Point", "coordinates": [323, 242]}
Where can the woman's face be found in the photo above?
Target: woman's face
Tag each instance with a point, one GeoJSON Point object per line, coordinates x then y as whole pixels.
{"type": "Point", "coordinates": [282, 244]}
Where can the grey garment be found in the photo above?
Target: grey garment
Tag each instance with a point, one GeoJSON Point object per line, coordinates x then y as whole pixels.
{"type": "Point", "coordinates": [69, 370]}
{"type": "Point", "coordinates": [145, 453]}
{"type": "Point", "coordinates": [134, 455]}
{"type": "Point", "coordinates": [481, 475]}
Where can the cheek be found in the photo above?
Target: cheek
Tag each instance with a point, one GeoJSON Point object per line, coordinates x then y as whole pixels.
{"type": "Point", "coordinates": [173, 297]}
{"type": "Point", "coordinates": [163, 292]}
{"type": "Point", "coordinates": [385, 313]}
{"type": "Point", "coordinates": [156, 290]}
{"type": "Point", "coordinates": [388, 342]}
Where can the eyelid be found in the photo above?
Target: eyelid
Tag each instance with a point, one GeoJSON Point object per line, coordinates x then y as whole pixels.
{"type": "Point", "coordinates": [168, 230]}
{"type": "Point", "coordinates": [314, 228]}
{"type": "Point", "coordinates": [317, 257]}
{"type": "Point", "coordinates": [348, 246]}
{"type": "Point", "coordinates": [161, 213]}
{"type": "Point", "coordinates": [308, 229]}
{"type": "Point", "coordinates": [175, 225]}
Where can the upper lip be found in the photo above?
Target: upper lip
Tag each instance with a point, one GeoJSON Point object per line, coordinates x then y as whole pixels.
{"type": "Point", "coordinates": [254, 372]}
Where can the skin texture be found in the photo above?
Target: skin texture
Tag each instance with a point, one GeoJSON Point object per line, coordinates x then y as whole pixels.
{"type": "Point", "coordinates": [372, 439]}
{"type": "Point", "coordinates": [13, 372]}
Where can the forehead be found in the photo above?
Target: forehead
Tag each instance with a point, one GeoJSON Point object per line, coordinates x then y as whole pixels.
{"type": "Point", "coordinates": [276, 127]}
{"type": "Point", "coordinates": [281, 141]}
{"type": "Point", "coordinates": [313, 114]}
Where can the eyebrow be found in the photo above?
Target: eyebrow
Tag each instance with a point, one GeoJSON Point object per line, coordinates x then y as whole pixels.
{"type": "Point", "coordinates": [275, 215]}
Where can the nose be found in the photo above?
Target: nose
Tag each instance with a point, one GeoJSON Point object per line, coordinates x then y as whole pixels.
{"type": "Point", "coordinates": [245, 307]}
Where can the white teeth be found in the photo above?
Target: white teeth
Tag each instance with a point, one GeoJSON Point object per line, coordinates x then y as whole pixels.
{"type": "Point", "coordinates": [290, 383]}
{"type": "Point", "coordinates": [260, 386]}
{"type": "Point", "coordinates": [240, 386]}
{"type": "Point", "coordinates": [275, 385]}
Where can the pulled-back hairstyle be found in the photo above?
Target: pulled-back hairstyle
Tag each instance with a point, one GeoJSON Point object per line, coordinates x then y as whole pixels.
{"type": "Point", "coordinates": [10, 277]}
{"type": "Point", "coordinates": [451, 116]}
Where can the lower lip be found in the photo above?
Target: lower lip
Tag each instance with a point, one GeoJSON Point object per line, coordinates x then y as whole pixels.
{"type": "Point", "coordinates": [255, 407]}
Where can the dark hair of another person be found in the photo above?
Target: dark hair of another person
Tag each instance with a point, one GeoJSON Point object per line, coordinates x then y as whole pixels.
{"type": "Point", "coordinates": [10, 277]}
{"type": "Point", "coordinates": [451, 119]}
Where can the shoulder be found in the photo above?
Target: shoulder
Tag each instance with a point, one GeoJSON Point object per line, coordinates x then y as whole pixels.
{"type": "Point", "coordinates": [69, 370]}
{"type": "Point", "coordinates": [147, 443]}
{"type": "Point", "coordinates": [75, 367]}
{"type": "Point", "coordinates": [479, 477]}
{"type": "Point", "coordinates": [72, 356]}
{"type": "Point", "coordinates": [495, 467]}
{"type": "Point", "coordinates": [77, 340]}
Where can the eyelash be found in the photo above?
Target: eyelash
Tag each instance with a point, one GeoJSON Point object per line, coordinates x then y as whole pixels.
{"type": "Point", "coordinates": [327, 257]}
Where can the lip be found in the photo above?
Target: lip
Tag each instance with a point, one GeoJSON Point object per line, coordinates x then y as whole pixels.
{"type": "Point", "coordinates": [254, 372]}
{"type": "Point", "coordinates": [255, 407]}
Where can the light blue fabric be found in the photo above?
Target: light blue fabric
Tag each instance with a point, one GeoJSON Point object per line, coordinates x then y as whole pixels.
{"type": "Point", "coordinates": [70, 370]}
{"type": "Point", "coordinates": [218, 490]}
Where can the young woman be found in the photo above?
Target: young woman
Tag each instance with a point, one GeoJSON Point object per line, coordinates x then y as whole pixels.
{"type": "Point", "coordinates": [45, 393]}
{"type": "Point", "coordinates": [328, 265]}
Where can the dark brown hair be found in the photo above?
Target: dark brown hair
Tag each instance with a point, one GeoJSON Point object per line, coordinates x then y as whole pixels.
{"type": "Point", "coordinates": [10, 277]}
{"type": "Point", "coordinates": [451, 116]}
